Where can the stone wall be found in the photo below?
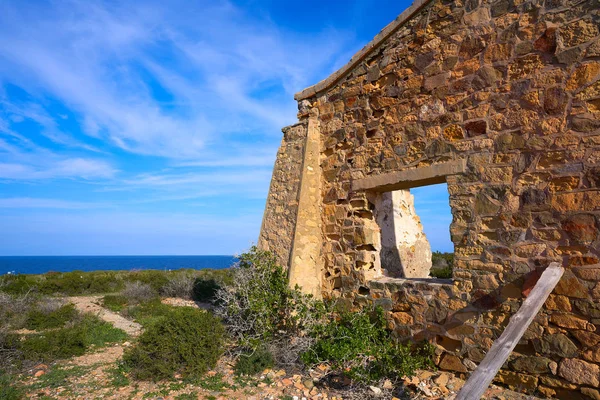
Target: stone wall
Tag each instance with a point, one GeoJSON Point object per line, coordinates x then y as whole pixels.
{"type": "Point", "coordinates": [510, 89]}
{"type": "Point", "coordinates": [279, 220]}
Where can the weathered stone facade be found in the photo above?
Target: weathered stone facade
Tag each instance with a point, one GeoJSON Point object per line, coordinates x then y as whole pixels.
{"type": "Point", "coordinates": [279, 220]}
{"type": "Point", "coordinates": [500, 100]}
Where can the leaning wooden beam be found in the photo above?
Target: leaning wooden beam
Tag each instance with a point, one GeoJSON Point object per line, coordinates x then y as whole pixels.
{"type": "Point", "coordinates": [483, 375]}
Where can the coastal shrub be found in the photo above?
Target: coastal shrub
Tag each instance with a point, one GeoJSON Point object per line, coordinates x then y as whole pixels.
{"type": "Point", "coordinates": [7, 390]}
{"type": "Point", "coordinates": [138, 292]}
{"type": "Point", "coordinates": [442, 265]}
{"type": "Point", "coordinates": [98, 282]}
{"type": "Point", "coordinates": [359, 345]}
{"type": "Point", "coordinates": [114, 302]}
{"type": "Point", "coordinates": [258, 306]}
{"type": "Point", "coordinates": [14, 310]}
{"type": "Point", "coordinates": [10, 350]}
{"type": "Point", "coordinates": [254, 362]}
{"type": "Point", "coordinates": [205, 290]}
{"type": "Point", "coordinates": [442, 273]}
{"type": "Point", "coordinates": [156, 279]}
{"type": "Point", "coordinates": [54, 345]}
{"type": "Point", "coordinates": [186, 341]}
{"type": "Point", "coordinates": [66, 283]}
{"type": "Point", "coordinates": [148, 313]}
{"type": "Point", "coordinates": [72, 340]}
{"type": "Point", "coordinates": [77, 282]}
{"type": "Point", "coordinates": [181, 286]}
{"type": "Point", "coordinates": [50, 314]}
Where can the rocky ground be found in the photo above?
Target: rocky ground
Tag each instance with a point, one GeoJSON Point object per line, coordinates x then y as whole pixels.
{"type": "Point", "coordinates": [99, 375]}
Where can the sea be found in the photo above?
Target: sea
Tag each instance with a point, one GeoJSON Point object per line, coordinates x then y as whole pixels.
{"type": "Point", "coordinates": [43, 264]}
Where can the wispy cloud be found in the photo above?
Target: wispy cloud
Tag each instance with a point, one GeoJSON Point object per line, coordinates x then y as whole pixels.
{"type": "Point", "coordinates": [121, 67]}
{"type": "Point", "coordinates": [28, 202]}
{"type": "Point", "coordinates": [67, 168]}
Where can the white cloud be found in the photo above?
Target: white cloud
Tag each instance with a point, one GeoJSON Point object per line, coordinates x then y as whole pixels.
{"type": "Point", "coordinates": [65, 168]}
{"type": "Point", "coordinates": [122, 67]}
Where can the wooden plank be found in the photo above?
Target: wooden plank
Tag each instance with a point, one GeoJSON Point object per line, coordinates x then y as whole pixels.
{"type": "Point", "coordinates": [483, 375]}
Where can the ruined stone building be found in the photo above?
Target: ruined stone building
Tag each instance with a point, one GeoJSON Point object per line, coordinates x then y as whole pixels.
{"type": "Point", "coordinates": [501, 101]}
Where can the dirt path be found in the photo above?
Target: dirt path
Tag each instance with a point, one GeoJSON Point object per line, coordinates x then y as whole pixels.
{"type": "Point", "coordinates": [91, 304]}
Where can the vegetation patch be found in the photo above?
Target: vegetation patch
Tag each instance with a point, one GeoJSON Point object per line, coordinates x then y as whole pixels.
{"type": "Point", "coordinates": [8, 391]}
{"type": "Point", "coordinates": [59, 376]}
{"type": "Point", "coordinates": [99, 282]}
{"type": "Point", "coordinates": [118, 375]}
{"type": "Point", "coordinates": [254, 362]}
{"type": "Point", "coordinates": [187, 396]}
{"type": "Point", "coordinates": [70, 341]}
{"type": "Point", "coordinates": [214, 383]}
{"type": "Point", "coordinates": [150, 312]}
{"type": "Point", "coordinates": [114, 302]}
{"type": "Point", "coordinates": [42, 318]}
{"type": "Point", "coordinates": [186, 341]}
{"type": "Point", "coordinates": [442, 265]}
{"type": "Point", "coordinates": [259, 307]}
{"type": "Point", "coordinates": [275, 324]}
{"type": "Point", "coordinates": [205, 290]}
{"type": "Point", "coordinates": [360, 345]}
{"type": "Point", "coordinates": [139, 292]}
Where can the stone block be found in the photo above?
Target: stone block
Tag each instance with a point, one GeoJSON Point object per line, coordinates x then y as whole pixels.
{"type": "Point", "coordinates": [579, 372]}
{"type": "Point", "coordinates": [517, 380]}
{"type": "Point", "coordinates": [451, 362]}
{"type": "Point", "coordinates": [436, 81]}
{"type": "Point", "coordinates": [570, 321]}
{"type": "Point", "coordinates": [581, 228]}
{"type": "Point", "coordinates": [532, 365]}
{"type": "Point", "coordinates": [570, 286]}
{"type": "Point", "coordinates": [577, 32]}
{"type": "Point", "coordinates": [556, 344]}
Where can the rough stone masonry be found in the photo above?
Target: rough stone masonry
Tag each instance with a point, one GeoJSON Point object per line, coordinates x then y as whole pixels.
{"type": "Point", "coordinates": [500, 100]}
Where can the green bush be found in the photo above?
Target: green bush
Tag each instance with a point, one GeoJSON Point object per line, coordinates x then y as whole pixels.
{"type": "Point", "coordinates": [205, 290]}
{"type": "Point", "coordinates": [150, 312]}
{"type": "Point", "coordinates": [71, 340]}
{"type": "Point", "coordinates": [181, 285]}
{"type": "Point", "coordinates": [139, 292]}
{"type": "Point", "coordinates": [14, 310]}
{"type": "Point", "coordinates": [186, 341]}
{"type": "Point", "coordinates": [442, 273]}
{"type": "Point", "coordinates": [254, 363]}
{"type": "Point", "coordinates": [7, 390]}
{"type": "Point", "coordinates": [258, 306]}
{"type": "Point", "coordinates": [442, 258]}
{"type": "Point", "coordinates": [54, 345]}
{"type": "Point", "coordinates": [360, 345]}
{"type": "Point", "coordinates": [114, 302]}
{"type": "Point", "coordinates": [10, 351]}
{"type": "Point", "coordinates": [40, 319]}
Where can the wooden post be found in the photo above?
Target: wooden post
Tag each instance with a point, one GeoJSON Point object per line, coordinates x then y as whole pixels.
{"type": "Point", "coordinates": [483, 375]}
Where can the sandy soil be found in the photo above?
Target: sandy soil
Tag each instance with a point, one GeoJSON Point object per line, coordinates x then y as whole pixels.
{"type": "Point", "coordinates": [91, 304]}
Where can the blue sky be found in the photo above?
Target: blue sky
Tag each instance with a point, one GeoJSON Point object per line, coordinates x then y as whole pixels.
{"type": "Point", "coordinates": [152, 127]}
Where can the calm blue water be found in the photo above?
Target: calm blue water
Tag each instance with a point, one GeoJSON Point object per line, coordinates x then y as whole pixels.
{"type": "Point", "coordinates": [41, 264]}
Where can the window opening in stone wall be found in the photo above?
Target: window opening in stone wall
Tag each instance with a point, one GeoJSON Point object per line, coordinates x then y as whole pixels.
{"type": "Point", "coordinates": [414, 227]}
